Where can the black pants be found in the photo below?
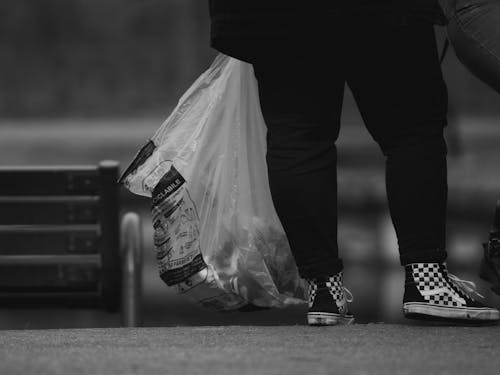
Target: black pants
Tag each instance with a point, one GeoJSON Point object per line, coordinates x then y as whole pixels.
{"type": "Point", "coordinates": [394, 74]}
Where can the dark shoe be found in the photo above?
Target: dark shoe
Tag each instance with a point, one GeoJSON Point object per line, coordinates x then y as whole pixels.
{"type": "Point", "coordinates": [490, 264]}
{"type": "Point", "coordinates": [328, 300]}
{"type": "Point", "coordinates": [432, 293]}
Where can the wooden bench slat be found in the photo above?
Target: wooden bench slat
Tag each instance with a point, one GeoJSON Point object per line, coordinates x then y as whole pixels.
{"type": "Point", "coordinates": [49, 182]}
{"type": "Point", "coordinates": [50, 276]}
{"type": "Point", "coordinates": [61, 229]}
{"type": "Point", "coordinates": [44, 199]}
{"type": "Point", "coordinates": [49, 243]}
{"type": "Point", "coordinates": [75, 298]}
{"type": "Point", "coordinates": [48, 211]}
{"type": "Point", "coordinates": [41, 294]}
{"type": "Point", "coordinates": [32, 260]}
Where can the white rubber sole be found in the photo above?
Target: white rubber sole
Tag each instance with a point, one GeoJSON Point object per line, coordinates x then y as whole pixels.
{"type": "Point", "coordinates": [328, 319]}
{"type": "Point", "coordinates": [465, 313]}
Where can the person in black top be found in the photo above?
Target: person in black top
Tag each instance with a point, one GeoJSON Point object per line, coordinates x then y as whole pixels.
{"type": "Point", "coordinates": [303, 54]}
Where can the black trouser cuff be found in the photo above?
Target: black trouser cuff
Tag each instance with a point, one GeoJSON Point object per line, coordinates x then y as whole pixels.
{"type": "Point", "coordinates": [321, 269]}
{"type": "Point", "coordinates": [425, 256]}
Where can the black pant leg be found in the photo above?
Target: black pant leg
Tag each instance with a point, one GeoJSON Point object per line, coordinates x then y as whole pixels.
{"type": "Point", "coordinates": [301, 96]}
{"type": "Point", "coordinates": [396, 78]}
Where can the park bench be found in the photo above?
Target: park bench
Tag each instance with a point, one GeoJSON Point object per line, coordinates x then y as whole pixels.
{"type": "Point", "coordinates": [61, 243]}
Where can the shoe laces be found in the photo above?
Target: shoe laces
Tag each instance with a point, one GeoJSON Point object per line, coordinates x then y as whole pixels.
{"type": "Point", "coordinates": [348, 295]}
{"type": "Point", "coordinates": [465, 286]}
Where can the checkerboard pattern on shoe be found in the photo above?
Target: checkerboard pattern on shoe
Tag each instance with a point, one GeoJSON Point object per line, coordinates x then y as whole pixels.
{"type": "Point", "coordinates": [432, 281]}
{"type": "Point", "coordinates": [328, 301]}
{"type": "Point", "coordinates": [430, 292]}
{"type": "Point", "coordinates": [313, 290]}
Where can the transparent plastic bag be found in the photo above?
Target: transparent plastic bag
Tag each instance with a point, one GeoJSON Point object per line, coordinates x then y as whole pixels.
{"type": "Point", "coordinates": [217, 236]}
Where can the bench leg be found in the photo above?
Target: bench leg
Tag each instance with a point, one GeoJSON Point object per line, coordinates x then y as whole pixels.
{"type": "Point", "coordinates": [131, 258]}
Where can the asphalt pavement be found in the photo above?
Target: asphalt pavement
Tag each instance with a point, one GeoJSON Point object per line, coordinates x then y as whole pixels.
{"type": "Point", "coordinates": [357, 349]}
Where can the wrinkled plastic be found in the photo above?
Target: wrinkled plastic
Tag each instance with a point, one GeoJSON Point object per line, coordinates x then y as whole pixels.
{"type": "Point", "coordinates": [205, 170]}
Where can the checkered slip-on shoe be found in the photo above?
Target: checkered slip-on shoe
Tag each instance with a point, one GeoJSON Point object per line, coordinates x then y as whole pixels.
{"type": "Point", "coordinates": [328, 300]}
{"type": "Point", "coordinates": [431, 293]}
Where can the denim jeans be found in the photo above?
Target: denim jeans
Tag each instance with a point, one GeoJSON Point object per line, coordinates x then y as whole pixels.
{"type": "Point", "coordinates": [395, 76]}
{"type": "Point", "coordinates": [474, 32]}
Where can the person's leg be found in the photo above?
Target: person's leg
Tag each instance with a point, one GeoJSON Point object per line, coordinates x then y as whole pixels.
{"type": "Point", "coordinates": [474, 32]}
{"type": "Point", "coordinates": [301, 92]}
{"type": "Point", "coordinates": [402, 97]}
{"type": "Point", "coordinates": [397, 82]}
{"type": "Point", "coordinates": [301, 98]}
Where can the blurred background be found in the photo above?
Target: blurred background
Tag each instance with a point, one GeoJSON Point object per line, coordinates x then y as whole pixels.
{"type": "Point", "coordinates": [87, 80]}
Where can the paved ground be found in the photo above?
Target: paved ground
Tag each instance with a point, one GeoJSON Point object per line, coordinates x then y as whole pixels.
{"type": "Point", "coordinates": [358, 349]}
